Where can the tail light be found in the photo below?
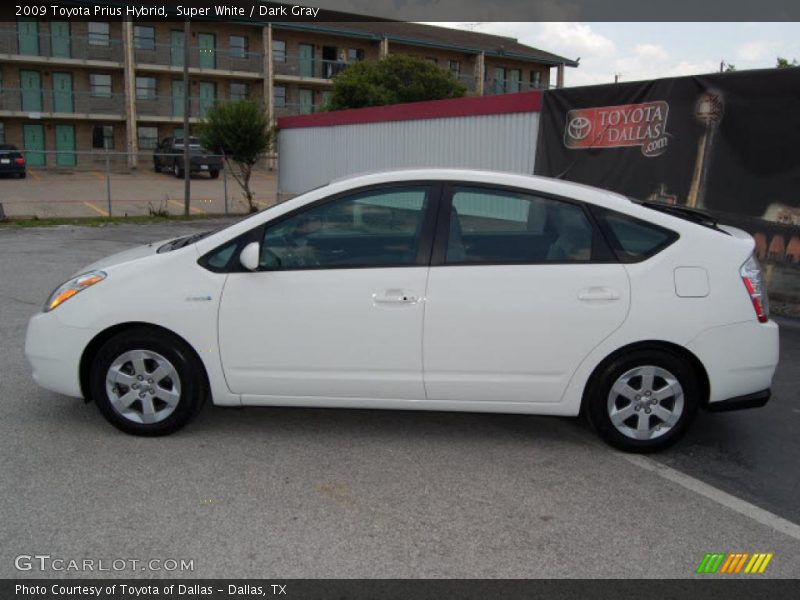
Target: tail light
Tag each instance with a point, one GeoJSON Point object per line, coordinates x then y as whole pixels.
{"type": "Point", "coordinates": [19, 161]}
{"type": "Point", "coordinates": [754, 282]}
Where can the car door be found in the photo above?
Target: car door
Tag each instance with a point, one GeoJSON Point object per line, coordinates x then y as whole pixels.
{"type": "Point", "coordinates": [335, 308]}
{"type": "Point", "coordinates": [521, 288]}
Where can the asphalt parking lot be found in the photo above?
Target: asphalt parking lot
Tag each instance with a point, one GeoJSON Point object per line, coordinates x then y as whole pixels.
{"type": "Point", "coordinates": [48, 194]}
{"type": "Point", "coordinates": [331, 493]}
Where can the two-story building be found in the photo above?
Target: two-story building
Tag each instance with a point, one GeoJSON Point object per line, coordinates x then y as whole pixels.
{"type": "Point", "coordinates": [72, 87]}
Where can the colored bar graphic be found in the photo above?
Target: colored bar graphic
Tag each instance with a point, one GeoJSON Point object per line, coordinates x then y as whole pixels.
{"type": "Point", "coordinates": [732, 563]}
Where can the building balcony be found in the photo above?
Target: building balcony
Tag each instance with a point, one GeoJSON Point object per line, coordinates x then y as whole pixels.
{"type": "Point", "coordinates": [167, 57]}
{"type": "Point", "coordinates": [50, 103]}
{"type": "Point", "coordinates": [493, 87]}
{"type": "Point", "coordinates": [170, 108]}
{"type": "Point", "coordinates": [41, 48]}
{"type": "Point", "coordinates": [291, 109]}
{"type": "Point", "coordinates": [295, 67]}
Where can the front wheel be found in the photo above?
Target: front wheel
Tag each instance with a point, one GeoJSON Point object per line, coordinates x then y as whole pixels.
{"type": "Point", "coordinates": [176, 170]}
{"type": "Point", "coordinates": [643, 401]}
{"type": "Point", "coordinates": [146, 382]}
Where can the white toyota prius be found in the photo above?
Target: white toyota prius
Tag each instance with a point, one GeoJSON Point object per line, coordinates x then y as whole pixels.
{"type": "Point", "coordinates": [429, 289]}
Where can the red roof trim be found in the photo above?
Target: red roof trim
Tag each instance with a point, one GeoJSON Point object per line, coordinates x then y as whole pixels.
{"type": "Point", "coordinates": [433, 109]}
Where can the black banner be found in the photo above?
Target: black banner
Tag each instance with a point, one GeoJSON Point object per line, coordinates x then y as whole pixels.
{"type": "Point", "coordinates": [400, 589]}
{"type": "Point", "coordinates": [727, 143]}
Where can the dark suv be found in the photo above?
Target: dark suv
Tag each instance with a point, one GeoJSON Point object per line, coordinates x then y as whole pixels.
{"type": "Point", "coordinates": [12, 162]}
{"type": "Point", "coordinates": [168, 155]}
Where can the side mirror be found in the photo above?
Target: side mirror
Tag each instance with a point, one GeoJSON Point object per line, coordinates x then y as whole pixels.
{"type": "Point", "coordinates": [249, 256]}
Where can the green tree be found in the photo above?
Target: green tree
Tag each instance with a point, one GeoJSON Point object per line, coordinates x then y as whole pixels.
{"type": "Point", "coordinates": [729, 68]}
{"type": "Point", "coordinates": [241, 132]}
{"type": "Point", "coordinates": [782, 63]}
{"type": "Point", "coordinates": [392, 80]}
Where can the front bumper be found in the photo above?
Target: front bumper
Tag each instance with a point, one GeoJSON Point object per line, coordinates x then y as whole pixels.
{"type": "Point", "coordinates": [54, 352]}
{"type": "Point", "coordinates": [755, 400]}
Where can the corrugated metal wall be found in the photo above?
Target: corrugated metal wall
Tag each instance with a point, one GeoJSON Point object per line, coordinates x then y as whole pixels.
{"type": "Point", "coordinates": [313, 156]}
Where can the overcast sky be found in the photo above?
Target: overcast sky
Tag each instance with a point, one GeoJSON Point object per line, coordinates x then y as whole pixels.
{"type": "Point", "coordinates": [650, 50]}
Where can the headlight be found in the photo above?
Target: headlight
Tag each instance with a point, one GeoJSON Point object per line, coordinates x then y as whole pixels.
{"type": "Point", "coordinates": [68, 289]}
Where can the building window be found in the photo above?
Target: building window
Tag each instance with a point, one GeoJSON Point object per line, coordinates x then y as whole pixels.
{"type": "Point", "coordinates": [99, 34]}
{"type": "Point", "coordinates": [355, 54]}
{"type": "Point", "coordinates": [536, 79]}
{"type": "Point", "coordinates": [145, 88]}
{"type": "Point", "coordinates": [279, 96]}
{"type": "Point", "coordinates": [239, 91]}
{"type": "Point", "coordinates": [148, 137]}
{"type": "Point", "coordinates": [278, 51]}
{"type": "Point", "coordinates": [100, 85]}
{"type": "Point", "coordinates": [144, 38]}
{"type": "Point", "coordinates": [2, 133]}
{"type": "Point", "coordinates": [238, 45]}
{"type": "Point", "coordinates": [514, 80]}
{"type": "Point", "coordinates": [103, 137]}
{"type": "Point", "coordinates": [454, 66]}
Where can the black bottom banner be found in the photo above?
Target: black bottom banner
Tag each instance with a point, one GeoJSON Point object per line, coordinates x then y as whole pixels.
{"type": "Point", "coordinates": [391, 589]}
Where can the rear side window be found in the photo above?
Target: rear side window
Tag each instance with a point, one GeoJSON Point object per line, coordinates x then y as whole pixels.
{"type": "Point", "coordinates": [634, 240]}
{"type": "Point", "coordinates": [489, 226]}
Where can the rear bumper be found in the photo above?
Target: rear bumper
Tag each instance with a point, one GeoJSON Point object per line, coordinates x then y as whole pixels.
{"type": "Point", "coordinates": [739, 359]}
{"type": "Point", "coordinates": [11, 169]}
{"type": "Point", "coordinates": [754, 400]}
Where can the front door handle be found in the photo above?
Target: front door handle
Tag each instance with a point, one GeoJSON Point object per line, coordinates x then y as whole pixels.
{"type": "Point", "coordinates": [395, 296]}
{"type": "Point", "coordinates": [598, 294]}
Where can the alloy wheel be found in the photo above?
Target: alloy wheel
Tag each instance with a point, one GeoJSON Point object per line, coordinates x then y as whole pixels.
{"type": "Point", "coordinates": [143, 386]}
{"type": "Point", "coordinates": [645, 402]}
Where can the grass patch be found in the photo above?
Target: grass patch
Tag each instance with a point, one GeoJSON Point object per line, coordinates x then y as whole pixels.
{"type": "Point", "coordinates": [21, 222]}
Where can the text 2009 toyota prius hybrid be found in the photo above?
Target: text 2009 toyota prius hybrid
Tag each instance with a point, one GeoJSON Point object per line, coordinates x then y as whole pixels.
{"type": "Point", "coordinates": [425, 289]}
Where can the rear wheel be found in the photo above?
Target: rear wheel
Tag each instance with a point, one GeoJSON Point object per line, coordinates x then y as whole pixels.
{"type": "Point", "coordinates": [23, 175]}
{"type": "Point", "coordinates": [643, 401]}
{"type": "Point", "coordinates": [176, 170]}
{"type": "Point", "coordinates": [147, 382]}
{"type": "Point", "coordinates": [214, 174]}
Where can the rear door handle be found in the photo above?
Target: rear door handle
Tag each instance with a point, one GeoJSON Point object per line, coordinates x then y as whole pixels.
{"type": "Point", "coordinates": [598, 294]}
{"type": "Point", "coordinates": [395, 296]}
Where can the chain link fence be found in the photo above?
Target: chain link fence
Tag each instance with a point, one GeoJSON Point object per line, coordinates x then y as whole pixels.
{"type": "Point", "coordinates": [116, 184]}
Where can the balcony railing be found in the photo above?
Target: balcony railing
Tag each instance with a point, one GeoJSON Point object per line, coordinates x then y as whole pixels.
{"type": "Point", "coordinates": [494, 87]}
{"type": "Point", "coordinates": [201, 58]}
{"type": "Point", "coordinates": [53, 101]}
{"type": "Point", "coordinates": [172, 106]}
{"type": "Point", "coordinates": [291, 109]}
{"type": "Point", "coordinates": [56, 46]}
{"type": "Point", "coordinates": [300, 66]}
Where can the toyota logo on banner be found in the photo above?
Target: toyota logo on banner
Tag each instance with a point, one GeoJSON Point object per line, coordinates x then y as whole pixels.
{"type": "Point", "coordinates": [640, 125]}
{"type": "Point", "coordinates": [579, 128]}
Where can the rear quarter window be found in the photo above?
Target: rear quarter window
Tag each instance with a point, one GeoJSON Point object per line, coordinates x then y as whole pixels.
{"type": "Point", "coordinates": [633, 240]}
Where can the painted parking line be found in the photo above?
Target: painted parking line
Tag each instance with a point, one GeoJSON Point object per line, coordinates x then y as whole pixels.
{"type": "Point", "coordinates": [194, 209]}
{"type": "Point", "coordinates": [98, 175]}
{"type": "Point", "coordinates": [33, 174]}
{"type": "Point", "coordinates": [96, 209]}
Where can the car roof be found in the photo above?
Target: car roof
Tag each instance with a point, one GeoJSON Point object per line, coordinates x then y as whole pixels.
{"type": "Point", "coordinates": [546, 185]}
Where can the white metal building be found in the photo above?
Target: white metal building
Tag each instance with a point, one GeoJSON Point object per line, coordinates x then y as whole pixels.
{"type": "Point", "coordinates": [492, 132]}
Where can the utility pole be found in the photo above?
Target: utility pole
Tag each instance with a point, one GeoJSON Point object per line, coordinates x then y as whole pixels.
{"type": "Point", "coordinates": [187, 165]}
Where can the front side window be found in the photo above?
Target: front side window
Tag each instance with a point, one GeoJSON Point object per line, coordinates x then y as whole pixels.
{"type": "Point", "coordinates": [374, 228]}
{"type": "Point", "coordinates": [100, 85]}
{"type": "Point", "coordinates": [144, 38]}
{"type": "Point", "coordinates": [99, 34]}
{"type": "Point", "coordinates": [238, 46]}
{"type": "Point", "coordinates": [507, 227]}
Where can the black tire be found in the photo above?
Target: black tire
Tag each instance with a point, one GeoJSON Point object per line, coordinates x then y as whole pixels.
{"type": "Point", "coordinates": [177, 170]}
{"type": "Point", "coordinates": [214, 174]}
{"type": "Point", "coordinates": [23, 175]}
{"type": "Point", "coordinates": [156, 166]}
{"type": "Point", "coordinates": [190, 373]}
{"type": "Point", "coordinates": [596, 399]}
